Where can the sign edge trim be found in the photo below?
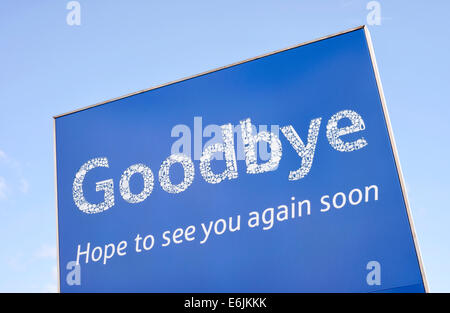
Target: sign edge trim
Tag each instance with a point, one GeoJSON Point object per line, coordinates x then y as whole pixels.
{"type": "Point", "coordinates": [395, 155]}
{"type": "Point", "coordinates": [212, 71]}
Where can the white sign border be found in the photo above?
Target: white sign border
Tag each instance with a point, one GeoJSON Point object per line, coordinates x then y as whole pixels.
{"type": "Point", "coordinates": [385, 111]}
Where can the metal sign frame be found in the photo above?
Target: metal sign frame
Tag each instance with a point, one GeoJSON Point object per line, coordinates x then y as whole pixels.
{"type": "Point", "coordinates": [385, 112]}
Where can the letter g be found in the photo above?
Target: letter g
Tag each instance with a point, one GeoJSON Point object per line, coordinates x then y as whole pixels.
{"type": "Point", "coordinates": [106, 185]}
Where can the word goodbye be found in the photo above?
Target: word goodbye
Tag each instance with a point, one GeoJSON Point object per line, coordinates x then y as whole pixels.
{"type": "Point", "coordinates": [250, 141]}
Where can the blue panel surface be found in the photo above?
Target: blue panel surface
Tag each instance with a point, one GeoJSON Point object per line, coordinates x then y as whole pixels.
{"type": "Point", "coordinates": [363, 247]}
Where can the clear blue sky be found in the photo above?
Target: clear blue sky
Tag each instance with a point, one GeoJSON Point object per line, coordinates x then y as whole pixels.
{"type": "Point", "coordinates": [48, 67]}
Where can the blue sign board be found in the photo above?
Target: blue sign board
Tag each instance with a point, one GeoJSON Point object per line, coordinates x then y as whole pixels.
{"type": "Point", "coordinates": [275, 174]}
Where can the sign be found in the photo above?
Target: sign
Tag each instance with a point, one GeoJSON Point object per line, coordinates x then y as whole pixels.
{"type": "Point", "coordinates": [275, 174]}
